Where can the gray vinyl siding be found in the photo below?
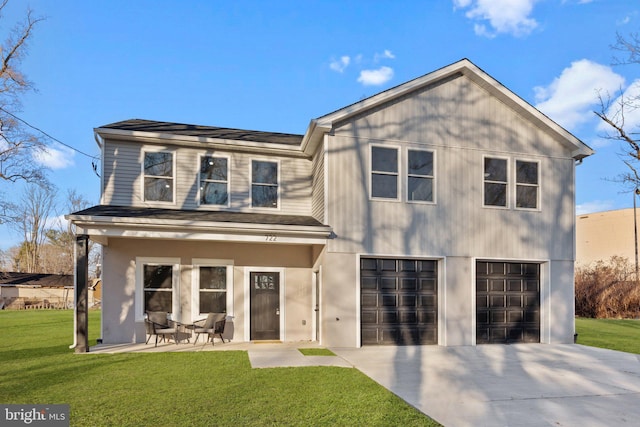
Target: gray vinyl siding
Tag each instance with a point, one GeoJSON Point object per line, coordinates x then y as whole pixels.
{"type": "Point", "coordinates": [461, 123]}
{"type": "Point", "coordinates": [317, 191]}
{"type": "Point", "coordinates": [123, 179]}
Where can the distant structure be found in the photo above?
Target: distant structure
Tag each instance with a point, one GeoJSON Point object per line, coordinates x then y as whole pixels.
{"type": "Point", "coordinates": [601, 235]}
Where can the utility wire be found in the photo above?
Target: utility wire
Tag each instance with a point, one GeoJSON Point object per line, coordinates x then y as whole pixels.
{"type": "Point", "coordinates": [49, 136]}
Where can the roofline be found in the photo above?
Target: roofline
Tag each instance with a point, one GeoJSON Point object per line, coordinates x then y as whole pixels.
{"type": "Point", "coordinates": [463, 67]}
{"type": "Point", "coordinates": [197, 141]}
{"type": "Point", "coordinates": [102, 220]}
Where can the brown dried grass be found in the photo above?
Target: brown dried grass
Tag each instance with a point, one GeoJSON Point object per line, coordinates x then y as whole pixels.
{"type": "Point", "coordinates": [607, 289]}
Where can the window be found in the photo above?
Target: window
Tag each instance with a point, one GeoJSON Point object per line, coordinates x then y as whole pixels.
{"type": "Point", "coordinates": [527, 181]}
{"type": "Point", "coordinates": [420, 176]}
{"type": "Point", "coordinates": [214, 181]}
{"type": "Point", "coordinates": [158, 288]}
{"type": "Point", "coordinates": [212, 288]}
{"type": "Point", "coordinates": [495, 182]}
{"type": "Point", "coordinates": [158, 177]}
{"type": "Point", "coordinates": [384, 173]}
{"type": "Point", "coordinates": [264, 184]}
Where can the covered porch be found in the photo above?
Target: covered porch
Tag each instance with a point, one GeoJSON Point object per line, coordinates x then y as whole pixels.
{"type": "Point", "coordinates": [187, 262]}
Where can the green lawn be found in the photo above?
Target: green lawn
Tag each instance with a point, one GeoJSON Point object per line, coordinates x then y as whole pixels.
{"type": "Point", "coordinates": [614, 334]}
{"type": "Point", "coordinates": [180, 389]}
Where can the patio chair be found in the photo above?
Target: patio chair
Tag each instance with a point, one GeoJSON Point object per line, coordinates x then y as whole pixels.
{"type": "Point", "coordinates": [157, 323]}
{"type": "Point", "coordinates": [213, 325]}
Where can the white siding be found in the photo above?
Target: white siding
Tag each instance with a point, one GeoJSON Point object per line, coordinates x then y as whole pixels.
{"type": "Point", "coordinates": [123, 175]}
{"type": "Point", "coordinates": [461, 123]}
{"type": "Point", "coordinates": [317, 192]}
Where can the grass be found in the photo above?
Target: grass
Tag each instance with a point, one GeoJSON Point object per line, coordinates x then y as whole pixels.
{"type": "Point", "coordinates": [316, 352]}
{"type": "Point", "coordinates": [180, 389]}
{"type": "Point", "coordinates": [614, 334]}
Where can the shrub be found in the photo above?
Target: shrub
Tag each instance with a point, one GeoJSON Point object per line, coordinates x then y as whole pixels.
{"type": "Point", "coordinates": [607, 289]}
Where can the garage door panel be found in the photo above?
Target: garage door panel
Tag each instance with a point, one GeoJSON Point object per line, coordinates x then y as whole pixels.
{"type": "Point", "coordinates": [369, 300]}
{"type": "Point", "coordinates": [408, 284]}
{"type": "Point", "coordinates": [511, 312]}
{"type": "Point", "coordinates": [428, 301]}
{"type": "Point", "coordinates": [399, 301]}
{"type": "Point", "coordinates": [497, 285]}
{"type": "Point", "coordinates": [388, 283]}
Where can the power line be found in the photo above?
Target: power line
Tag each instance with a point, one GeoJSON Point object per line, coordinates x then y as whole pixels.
{"type": "Point", "coordinates": [49, 136]}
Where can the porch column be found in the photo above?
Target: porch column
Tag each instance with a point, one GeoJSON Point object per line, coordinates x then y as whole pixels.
{"type": "Point", "coordinates": [82, 293]}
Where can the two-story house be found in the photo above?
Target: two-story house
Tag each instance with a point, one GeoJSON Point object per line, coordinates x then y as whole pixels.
{"type": "Point", "coordinates": [440, 211]}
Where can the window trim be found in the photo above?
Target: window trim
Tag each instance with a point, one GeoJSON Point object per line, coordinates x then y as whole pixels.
{"type": "Point", "coordinates": [433, 177]}
{"type": "Point", "coordinates": [278, 185]}
{"type": "Point", "coordinates": [173, 176]}
{"type": "Point", "coordinates": [515, 185]}
{"type": "Point", "coordinates": [398, 174]}
{"type": "Point", "coordinates": [139, 285]}
{"type": "Point", "coordinates": [228, 182]}
{"type": "Point", "coordinates": [195, 284]}
{"type": "Point", "coordinates": [508, 182]}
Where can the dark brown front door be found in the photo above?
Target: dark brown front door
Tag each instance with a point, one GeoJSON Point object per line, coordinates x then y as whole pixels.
{"type": "Point", "coordinates": [265, 306]}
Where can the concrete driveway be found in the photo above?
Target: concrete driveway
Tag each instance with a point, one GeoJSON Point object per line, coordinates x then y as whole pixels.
{"type": "Point", "coordinates": [509, 385]}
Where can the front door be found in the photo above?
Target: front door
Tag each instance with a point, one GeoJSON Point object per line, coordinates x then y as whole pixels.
{"type": "Point", "coordinates": [265, 306]}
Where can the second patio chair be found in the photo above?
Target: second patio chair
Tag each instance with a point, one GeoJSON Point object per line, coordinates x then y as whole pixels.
{"type": "Point", "coordinates": [213, 325]}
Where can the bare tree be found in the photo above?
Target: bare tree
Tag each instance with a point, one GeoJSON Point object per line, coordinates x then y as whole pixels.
{"type": "Point", "coordinates": [615, 113]}
{"type": "Point", "coordinates": [17, 144]}
{"type": "Point", "coordinates": [29, 217]}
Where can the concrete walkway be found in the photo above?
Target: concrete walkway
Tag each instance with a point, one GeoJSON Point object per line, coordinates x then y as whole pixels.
{"type": "Point", "coordinates": [509, 385]}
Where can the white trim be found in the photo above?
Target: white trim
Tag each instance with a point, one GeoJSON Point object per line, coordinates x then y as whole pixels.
{"type": "Point", "coordinates": [538, 187]}
{"type": "Point", "coordinates": [175, 279]}
{"type": "Point", "coordinates": [278, 185]}
{"type": "Point", "coordinates": [199, 183]}
{"type": "Point", "coordinates": [195, 284]}
{"type": "Point", "coordinates": [247, 299]}
{"type": "Point", "coordinates": [398, 174]}
{"type": "Point", "coordinates": [508, 190]}
{"type": "Point", "coordinates": [174, 172]}
{"type": "Point", "coordinates": [326, 179]}
{"type": "Point", "coordinates": [432, 177]}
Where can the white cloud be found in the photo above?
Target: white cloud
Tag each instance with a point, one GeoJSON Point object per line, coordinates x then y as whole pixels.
{"type": "Point", "coordinates": [341, 64]}
{"type": "Point", "coordinates": [594, 206]}
{"type": "Point", "coordinates": [571, 97]}
{"type": "Point", "coordinates": [55, 157]}
{"type": "Point", "coordinates": [384, 55]}
{"type": "Point", "coordinates": [504, 16]}
{"type": "Point", "coordinates": [375, 77]}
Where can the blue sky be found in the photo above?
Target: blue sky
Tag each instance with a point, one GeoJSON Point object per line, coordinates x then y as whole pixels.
{"type": "Point", "coordinates": [275, 65]}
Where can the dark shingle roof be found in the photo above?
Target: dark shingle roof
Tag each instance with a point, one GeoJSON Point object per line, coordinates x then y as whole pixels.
{"type": "Point", "coordinates": [188, 215]}
{"type": "Point", "coordinates": [36, 279]}
{"type": "Point", "coordinates": [139, 125]}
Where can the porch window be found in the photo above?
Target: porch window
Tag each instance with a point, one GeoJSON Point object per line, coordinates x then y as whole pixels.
{"type": "Point", "coordinates": [420, 176]}
{"type": "Point", "coordinates": [158, 177]}
{"type": "Point", "coordinates": [214, 180]}
{"type": "Point", "coordinates": [384, 173]}
{"type": "Point", "coordinates": [527, 182]}
{"type": "Point", "coordinates": [495, 182]}
{"type": "Point", "coordinates": [212, 289]}
{"type": "Point", "coordinates": [264, 184]}
{"type": "Point", "coordinates": [158, 288]}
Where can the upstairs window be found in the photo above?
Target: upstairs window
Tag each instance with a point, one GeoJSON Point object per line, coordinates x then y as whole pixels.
{"type": "Point", "coordinates": [264, 184]}
{"type": "Point", "coordinates": [158, 177]}
{"type": "Point", "coordinates": [214, 181]}
{"type": "Point", "coordinates": [527, 183]}
{"type": "Point", "coordinates": [384, 173]}
{"type": "Point", "coordinates": [495, 182]}
{"type": "Point", "coordinates": [420, 176]}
